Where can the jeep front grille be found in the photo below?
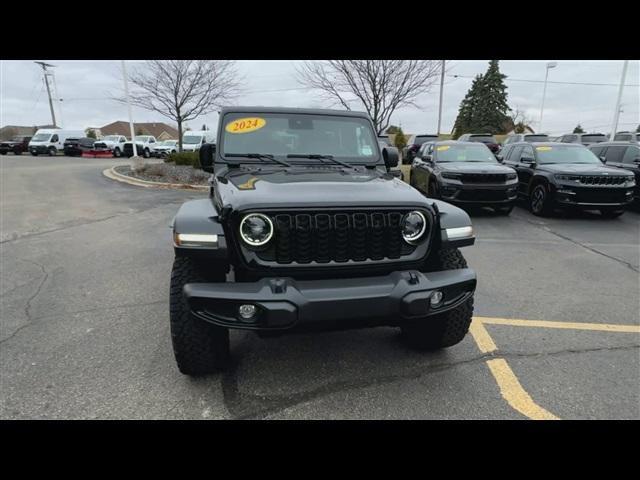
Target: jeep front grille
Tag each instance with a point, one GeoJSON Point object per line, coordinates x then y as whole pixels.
{"type": "Point", "coordinates": [601, 179]}
{"type": "Point", "coordinates": [484, 178]}
{"type": "Point", "coordinates": [329, 236]}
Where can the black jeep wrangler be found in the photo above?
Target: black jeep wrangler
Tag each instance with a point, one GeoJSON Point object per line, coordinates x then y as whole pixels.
{"type": "Point", "coordinates": [304, 229]}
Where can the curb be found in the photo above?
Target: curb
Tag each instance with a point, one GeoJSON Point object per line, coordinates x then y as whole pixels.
{"type": "Point", "coordinates": [118, 177]}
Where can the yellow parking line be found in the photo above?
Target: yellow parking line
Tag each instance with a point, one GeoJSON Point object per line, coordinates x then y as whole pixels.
{"type": "Point", "coordinates": [603, 327]}
{"type": "Point", "coordinates": [481, 336]}
{"type": "Point", "coordinates": [513, 392]}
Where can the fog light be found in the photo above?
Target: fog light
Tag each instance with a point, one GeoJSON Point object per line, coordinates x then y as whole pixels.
{"type": "Point", "coordinates": [436, 298]}
{"type": "Point", "coordinates": [247, 312]}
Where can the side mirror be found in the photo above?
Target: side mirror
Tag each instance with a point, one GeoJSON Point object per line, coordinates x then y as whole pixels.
{"type": "Point", "coordinates": [499, 158]}
{"type": "Point", "coordinates": [637, 160]}
{"type": "Point", "coordinates": [207, 152]}
{"type": "Point", "coordinates": [603, 159]}
{"type": "Point", "coordinates": [529, 161]}
{"type": "Point", "coordinates": [390, 156]}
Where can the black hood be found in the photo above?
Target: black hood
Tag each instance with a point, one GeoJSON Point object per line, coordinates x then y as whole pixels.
{"type": "Point", "coordinates": [581, 169]}
{"type": "Point", "coordinates": [474, 167]}
{"type": "Point", "coordinates": [314, 187]}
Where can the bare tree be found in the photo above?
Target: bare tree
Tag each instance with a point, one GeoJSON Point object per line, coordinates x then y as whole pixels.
{"type": "Point", "coordinates": [183, 90]}
{"type": "Point", "coordinates": [381, 86]}
{"type": "Point", "coordinates": [519, 121]}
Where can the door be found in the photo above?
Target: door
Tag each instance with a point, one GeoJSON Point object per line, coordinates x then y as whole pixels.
{"type": "Point", "coordinates": [631, 162]}
{"type": "Point", "coordinates": [614, 155]}
{"type": "Point", "coordinates": [525, 170]}
{"type": "Point", "coordinates": [418, 170]}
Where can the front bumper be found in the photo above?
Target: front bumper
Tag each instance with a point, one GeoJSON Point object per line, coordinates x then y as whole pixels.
{"type": "Point", "coordinates": [39, 149]}
{"type": "Point", "coordinates": [285, 303]}
{"type": "Point", "coordinates": [478, 194]}
{"type": "Point", "coordinates": [594, 197]}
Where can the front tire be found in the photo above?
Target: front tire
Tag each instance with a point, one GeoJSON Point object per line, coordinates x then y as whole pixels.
{"type": "Point", "coordinates": [17, 152]}
{"type": "Point", "coordinates": [446, 329]}
{"type": "Point", "coordinates": [199, 347]}
{"type": "Point", "coordinates": [539, 201]}
{"type": "Point", "coordinates": [117, 153]}
{"type": "Point", "coordinates": [146, 153]}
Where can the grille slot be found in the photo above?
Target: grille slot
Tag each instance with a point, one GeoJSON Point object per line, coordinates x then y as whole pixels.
{"type": "Point", "coordinates": [323, 237]}
{"type": "Point", "coordinates": [484, 178]}
{"type": "Point", "coordinates": [601, 179]}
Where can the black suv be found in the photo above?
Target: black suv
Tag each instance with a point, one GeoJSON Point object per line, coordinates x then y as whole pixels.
{"type": "Point", "coordinates": [486, 138]}
{"type": "Point", "coordinates": [559, 174]}
{"type": "Point", "coordinates": [410, 150]}
{"type": "Point", "coordinates": [624, 155]}
{"type": "Point", "coordinates": [304, 229]}
{"type": "Point", "coordinates": [74, 147]}
{"type": "Point", "coordinates": [464, 173]}
{"type": "Point", "coordinates": [17, 145]}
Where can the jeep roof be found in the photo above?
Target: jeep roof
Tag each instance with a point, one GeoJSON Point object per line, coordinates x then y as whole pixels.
{"type": "Point", "coordinates": [307, 111]}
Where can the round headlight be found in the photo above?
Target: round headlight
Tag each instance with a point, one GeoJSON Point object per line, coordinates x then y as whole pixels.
{"type": "Point", "coordinates": [256, 229]}
{"type": "Point", "coordinates": [413, 226]}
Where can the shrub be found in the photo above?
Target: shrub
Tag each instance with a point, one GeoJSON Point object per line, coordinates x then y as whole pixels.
{"type": "Point", "coordinates": [185, 158]}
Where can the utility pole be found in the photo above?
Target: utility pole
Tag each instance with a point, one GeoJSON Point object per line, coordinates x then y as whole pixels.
{"type": "Point", "coordinates": [441, 90]}
{"type": "Point", "coordinates": [46, 81]}
{"type": "Point", "coordinates": [544, 92]}
{"type": "Point", "coordinates": [616, 114]}
{"type": "Point", "coordinates": [126, 93]}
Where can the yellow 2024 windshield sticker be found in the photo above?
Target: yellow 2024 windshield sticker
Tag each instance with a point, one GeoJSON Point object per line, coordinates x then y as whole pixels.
{"type": "Point", "coordinates": [245, 125]}
{"type": "Point", "coordinates": [441, 148]}
{"type": "Point", "coordinates": [543, 149]}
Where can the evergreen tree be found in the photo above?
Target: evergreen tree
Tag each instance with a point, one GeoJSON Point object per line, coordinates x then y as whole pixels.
{"type": "Point", "coordinates": [464, 120]}
{"type": "Point", "coordinates": [91, 133]}
{"type": "Point", "coordinates": [400, 140]}
{"type": "Point", "coordinates": [578, 129]}
{"type": "Point", "coordinates": [392, 129]}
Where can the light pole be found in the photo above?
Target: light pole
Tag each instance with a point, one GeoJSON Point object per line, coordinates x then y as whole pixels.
{"type": "Point", "coordinates": [126, 93]}
{"type": "Point", "coordinates": [46, 74]}
{"type": "Point", "coordinates": [616, 114]}
{"type": "Point", "coordinates": [441, 89]}
{"type": "Point", "coordinates": [544, 92]}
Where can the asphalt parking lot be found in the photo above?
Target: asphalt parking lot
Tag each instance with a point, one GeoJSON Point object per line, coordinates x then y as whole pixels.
{"type": "Point", "coordinates": [84, 328]}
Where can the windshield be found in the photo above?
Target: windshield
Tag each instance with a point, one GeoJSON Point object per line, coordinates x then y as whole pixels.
{"type": "Point", "coordinates": [191, 139]}
{"type": "Point", "coordinates": [41, 137]}
{"type": "Point", "coordinates": [562, 154]}
{"type": "Point", "coordinates": [594, 138]}
{"type": "Point", "coordinates": [143, 138]}
{"type": "Point", "coordinates": [464, 153]}
{"type": "Point", "coordinates": [536, 138]}
{"type": "Point", "coordinates": [111, 138]}
{"type": "Point", "coordinates": [282, 134]}
{"type": "Point", "coordinates": [482, 138]}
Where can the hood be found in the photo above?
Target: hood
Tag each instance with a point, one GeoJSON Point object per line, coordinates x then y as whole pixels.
{"type": "Point", "coordinates": [315, 187]}
{"type": "Point", "coordinates": [581, 169]}
{"type": "Point", "coordinates": [474, 167]}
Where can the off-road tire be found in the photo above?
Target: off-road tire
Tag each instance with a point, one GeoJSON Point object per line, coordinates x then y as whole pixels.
{"type": "Point", "coordinates": [199, 347]}
{"type": "Point", "coordinates": [448, 328]}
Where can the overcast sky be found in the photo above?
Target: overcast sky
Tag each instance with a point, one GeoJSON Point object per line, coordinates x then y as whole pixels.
{"type": "Point", "coordinates": [85, 88]}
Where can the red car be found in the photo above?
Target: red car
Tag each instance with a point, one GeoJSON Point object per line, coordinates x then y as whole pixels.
{"type": "Point", "coordinates": [17, 145]}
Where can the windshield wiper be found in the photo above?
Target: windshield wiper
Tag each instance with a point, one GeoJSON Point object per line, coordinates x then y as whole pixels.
{"type": "Point", "coordinates": [259, 156]}
{"type": "Point", "coordinates": [316, 156]}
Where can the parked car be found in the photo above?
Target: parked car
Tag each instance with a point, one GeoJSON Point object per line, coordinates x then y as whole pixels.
{"type": "Point", "coordinates": [315, 238]}
{"type": "Point", "coordinates": [464, 173]}
{"type": "Point", "coordinates": [50, 141]}
{"type": "Point", "coordinates": [17, 145]}
{"type": "Point", "coordinates": [74, 147]}
{"type": "Point", "coordinates": [585, 139]}
{"type": "Point", "coordinates": [193, 140]}
{"type": "Point", "coordinates": [409, 152]}
{"type": "Point", "coordinates": [164, 148]}
{"type": "Point", "coordinates": [554, 175]}
{"type": "Point", "coordinates": [625, 155]}
{"type": "Point", "coordinates": [627, 137]}
{"type": "Point", "coordinates": [526, 137]}
{"type": "Point", "coordinates": [385, 139]}
{"type": "Point", "coordinates": [115, 143]}
{"type": "Point", "coordinates": [486, 138]}
{"type": "Point", "coordinates": [144, 146]}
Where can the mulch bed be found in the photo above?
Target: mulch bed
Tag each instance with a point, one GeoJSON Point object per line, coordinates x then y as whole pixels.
{"type": "Point", "coordinates": [167, 173]}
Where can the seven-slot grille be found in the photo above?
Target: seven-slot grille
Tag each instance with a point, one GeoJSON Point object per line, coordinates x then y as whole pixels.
{"type": "Point", "coordinates": [336, 236]}
{"type": "Point", "coordinates": [601, 179]}
{"type": "Point", "coordinates": [484, 177]}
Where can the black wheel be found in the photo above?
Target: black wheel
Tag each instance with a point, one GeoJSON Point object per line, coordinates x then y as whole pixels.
{"type": "Point", "coordinates": [504, 210]}
{"type": "Point", "coordinates": [611, 212]}
{"type": "Point", "coordinates": [433, 191]}
{"type": "Point", "coordinates": [117, 153]}
{"type": "Point", "coordinates": [3, 153]}
{"type": "Point", "coordinates": [52, 151]}
{"type": "Point", "coordinates": [199, 347]}
{"type": "Point", "coordinates": [34, 154]}
{"type": "Point", "coordinates": [17, 152]}
{"type": "Point", "coordinates": [539, 202]}
{"type": "Point", "coordinates": [446, 329]}
{"type": "Point", "coordinates": [146, 153]}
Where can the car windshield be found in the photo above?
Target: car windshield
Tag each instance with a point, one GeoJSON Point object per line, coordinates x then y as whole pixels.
{"type": "Point", "coordinates": [143, 138]}
{"type": "Point", "coordinates": [111, 138]}
{"type": "Point", "coordinates": [482, 138]}
{"type": "Point", "coordinates": [296, 134]}
{"type": "Point", "coordinates": [41, 137]}
{"type": "Point", "coordinates": [594, 138]}
{"type": "Point", "coordinates": [464, 153]}
{"type": "Point", "coordinates": [566, 154]}
{"type": "Point", "coordinates": [191, 139]}
{"type": "Point", "coordinates": [536, 138]}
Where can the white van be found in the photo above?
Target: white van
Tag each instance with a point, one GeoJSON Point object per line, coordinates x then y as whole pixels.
{"type": "Point", "coordinates": [192, 141]}
{"type": "Point", "coordinates": [51, 140]}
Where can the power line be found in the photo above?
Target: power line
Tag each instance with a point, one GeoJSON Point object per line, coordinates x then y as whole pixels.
{"type": "Point", "coordinates": [557, 82]}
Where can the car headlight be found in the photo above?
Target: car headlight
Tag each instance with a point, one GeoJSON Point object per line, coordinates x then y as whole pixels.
{"type": "Point", "coordinates": [451, 176]}
{"type": "Point", "coordinates": [413, 226]}
{"type": "Point", "coordinates": [566, 178]}
{"type": "Point", "coordinates": [256, 229]}
{"type": "Point", "coordinates": [512, 176]}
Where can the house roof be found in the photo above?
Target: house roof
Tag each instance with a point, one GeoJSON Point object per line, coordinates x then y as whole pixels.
{"type": "Point", "coordinates": [150, 128]}
{"type": "Point", "coordinates": [19, 130]}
